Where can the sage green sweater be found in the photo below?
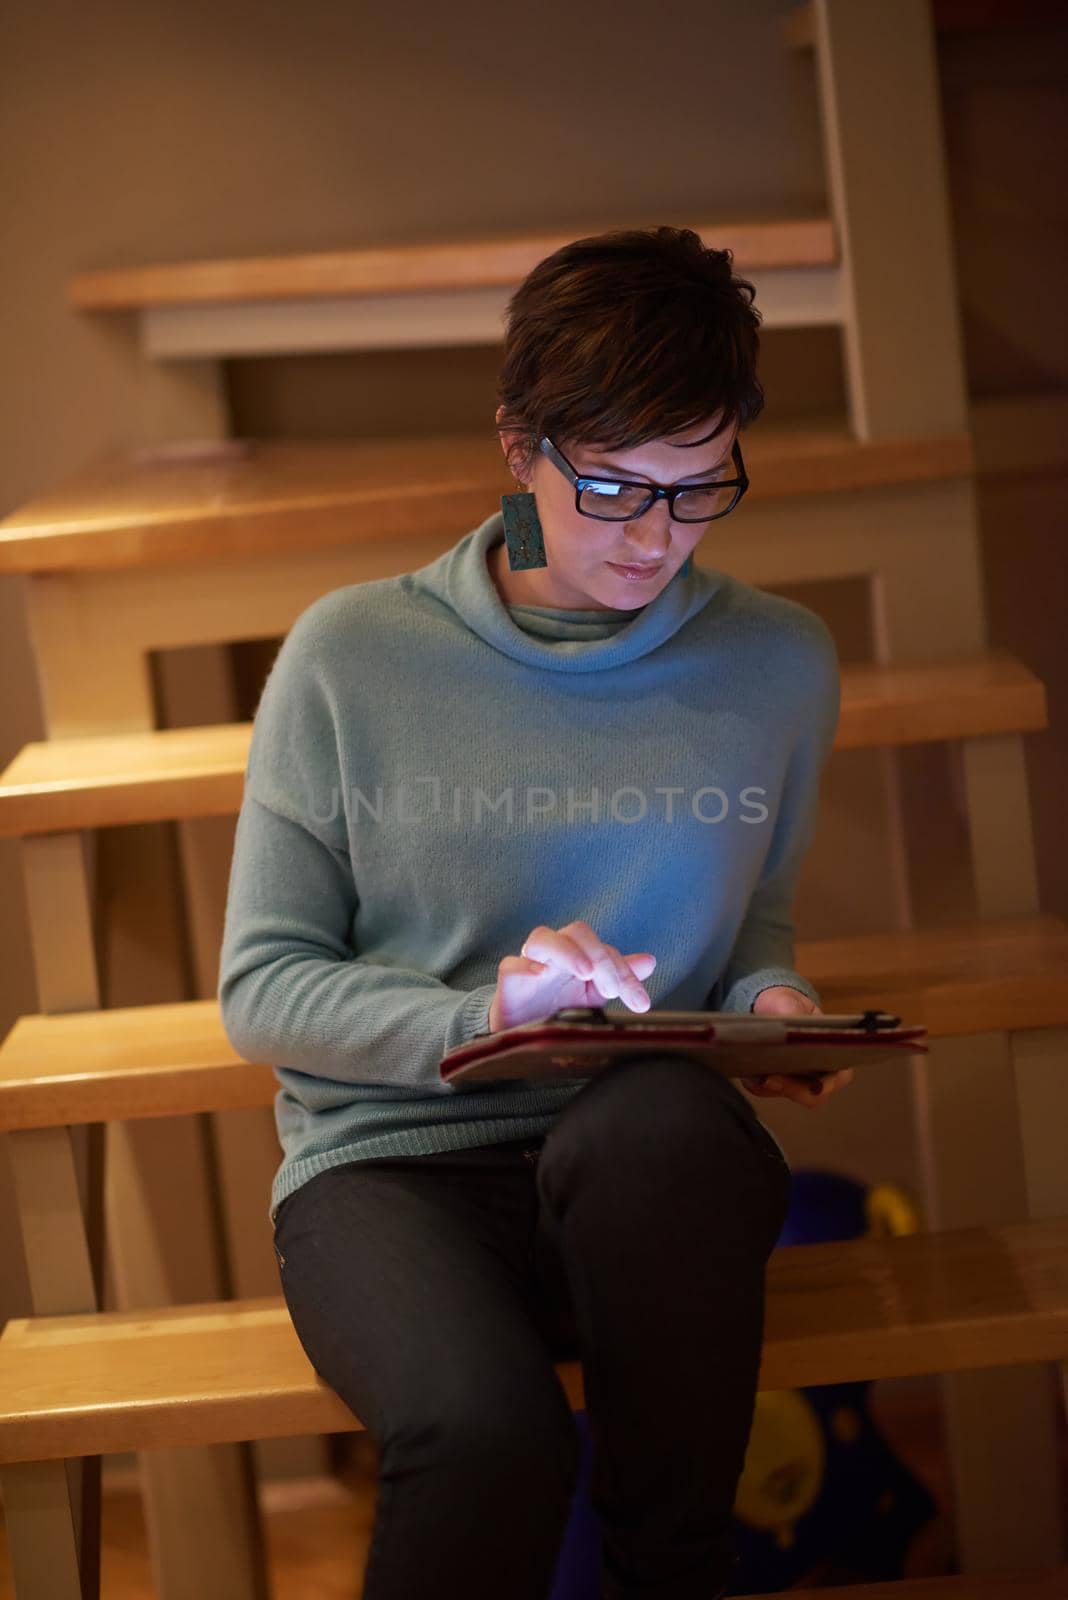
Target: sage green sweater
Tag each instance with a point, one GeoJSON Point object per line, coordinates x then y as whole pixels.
{"type": "Point", "coordinates": [433, 773]}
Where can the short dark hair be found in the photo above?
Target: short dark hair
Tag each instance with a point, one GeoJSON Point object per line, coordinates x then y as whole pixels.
{"type": "Point", "coordinates": [624, 337]}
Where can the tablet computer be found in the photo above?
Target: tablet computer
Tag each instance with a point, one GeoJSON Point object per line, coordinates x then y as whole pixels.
{"type": "Point", "coordinates": [580, 1041]}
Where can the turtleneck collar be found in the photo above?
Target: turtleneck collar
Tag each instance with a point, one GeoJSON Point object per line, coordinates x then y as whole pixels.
{"type": "Point", "coordinates": [461, 578]}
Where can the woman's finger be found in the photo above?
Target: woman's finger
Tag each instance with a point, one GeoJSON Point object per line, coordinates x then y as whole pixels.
{"type": "Point", "coordinates": [557, 950]}
{"type": "Point", "coordinates": [615, 978]}
{"type": "Point", "coordinates": [521, 967]}
{"type": "Point", "coordinates": [763, 1083]}
{"type": "Point", "coordinates": [641, 962]}
{"type": "Point", "coordinates": [612, 973]}
{"type": "Point", "coordinates": [808, 1089]}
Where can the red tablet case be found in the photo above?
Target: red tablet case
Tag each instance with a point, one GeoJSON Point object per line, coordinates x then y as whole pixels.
{"type": "Point", "coordinates": [579, 1042]}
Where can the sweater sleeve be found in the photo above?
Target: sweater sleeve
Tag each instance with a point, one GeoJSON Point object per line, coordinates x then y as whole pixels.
{"type": "Point", "coordinates": [292, 990]}
{"type": "Point", "coordinates": [762, 955]}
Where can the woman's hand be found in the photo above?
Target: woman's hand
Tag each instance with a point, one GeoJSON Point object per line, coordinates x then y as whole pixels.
{"type": "Point", "coordinates": [566, 967]}
{"type": "Point", "coordinates": [810, 1091]}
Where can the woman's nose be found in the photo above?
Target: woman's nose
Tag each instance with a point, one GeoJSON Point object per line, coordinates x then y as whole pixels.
{"type": "Point", "coordinates": [649, 536]}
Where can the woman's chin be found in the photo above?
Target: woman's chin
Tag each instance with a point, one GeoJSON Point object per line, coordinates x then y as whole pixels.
{"type": "Point", "coordinates": [626, 595]}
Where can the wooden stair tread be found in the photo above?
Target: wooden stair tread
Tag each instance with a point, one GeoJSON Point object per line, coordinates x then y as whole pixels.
{"type": "Point", "coordinates": [214, 500]}
{"type": "Point", "coordinates": [128, 1061]}
{"type": "Point", "coordinates": [969, 697]}
{"type": "Point", "coordinates": [452, 264]}
{"type": "Point", "coordinates": [175, 1059]}
{"type": "Point", "coordinates": [994, 976]}
{"type": "Point", "coordinates": [110, 780]}
{"type": "Point", "coordinates": [837, 1312]}
{"type": "Point", "coordinates": [208, 501]}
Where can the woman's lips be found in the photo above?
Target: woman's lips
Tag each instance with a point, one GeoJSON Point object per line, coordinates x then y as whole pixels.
{"type": "Point", "coordinates": [636, 573]}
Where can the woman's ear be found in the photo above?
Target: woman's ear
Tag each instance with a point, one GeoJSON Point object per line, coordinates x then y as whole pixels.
{"type": "Point", "coordinates": [512, 445]}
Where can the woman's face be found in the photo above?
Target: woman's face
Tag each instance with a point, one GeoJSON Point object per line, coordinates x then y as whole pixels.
{"type": "Point", "coordinates": [585, 555]}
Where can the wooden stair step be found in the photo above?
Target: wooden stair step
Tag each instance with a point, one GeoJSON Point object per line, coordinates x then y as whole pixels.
{"type": "Point", "coordinates": [837, 1312]}
{"type": "Point", "coordinates": [995, 976]}
{"type": "Point", "coordinates": [129, 1061]}
{"type": "Point", "coordinates": [422, 266]}
{"type": "Point", "coordinates": [427, 293]}
{"type": "Point", "coordinates": [216, 500]}
{"type": "Point", "coordinates": [171, 1060]}
{"type": "Point", "coordinates": [206, 501]}
{"type": "Point", "coordinates": [110, 780]}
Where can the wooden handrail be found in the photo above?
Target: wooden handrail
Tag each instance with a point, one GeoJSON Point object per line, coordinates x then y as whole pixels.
{"type": "Point", "coordinates": [837, 1312]}
{"type": "Point", "coordinates": [175, 1059]}
{"type": "Point", "coordinates": [112, 780]}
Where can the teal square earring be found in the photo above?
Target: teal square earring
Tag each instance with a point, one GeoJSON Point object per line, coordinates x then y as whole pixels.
{"type": "Point", "coordinates": [523, 531]}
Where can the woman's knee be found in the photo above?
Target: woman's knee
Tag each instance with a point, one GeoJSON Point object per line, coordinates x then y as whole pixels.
{"type": "Point", "coordinates": [667, 1135]}
{"type": "Point", "coordinates": [656, 1107]}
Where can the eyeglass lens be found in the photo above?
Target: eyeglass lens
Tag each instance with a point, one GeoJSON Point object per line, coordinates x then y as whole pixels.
{"type": "Point", "coordinates": [619, 502]}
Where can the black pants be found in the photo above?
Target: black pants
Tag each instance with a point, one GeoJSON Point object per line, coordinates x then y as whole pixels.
{"type": "Point", "coordinates": [434, 1294]}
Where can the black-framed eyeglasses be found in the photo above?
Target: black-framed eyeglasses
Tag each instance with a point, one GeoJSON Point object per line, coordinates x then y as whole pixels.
{"type": "Point", "coordinates": [620, 500]}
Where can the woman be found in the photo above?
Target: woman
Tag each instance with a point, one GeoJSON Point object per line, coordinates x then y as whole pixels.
{"type": "Point", "coordinates": [559, 765]}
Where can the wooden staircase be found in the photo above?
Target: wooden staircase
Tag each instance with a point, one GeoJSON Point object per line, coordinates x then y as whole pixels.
{"type": "Point", "coordinates": [961, 1302]}
{"type": "Point", "coordinates": [212, 541]}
